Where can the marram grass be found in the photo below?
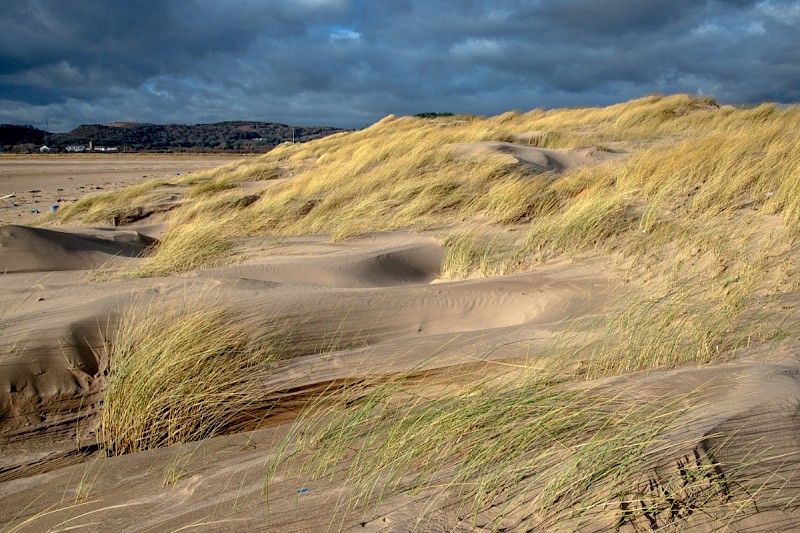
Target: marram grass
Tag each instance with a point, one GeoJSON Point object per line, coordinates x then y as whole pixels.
{"type": "Point", "coordinates": [688, 158]}
{"type": "Point", "coordinates": [181, 372]}
{"type": "Point", "coordinates": [516, 451]}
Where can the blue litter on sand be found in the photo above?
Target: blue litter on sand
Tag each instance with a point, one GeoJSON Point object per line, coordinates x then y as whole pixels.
{"type": "Point", "coordinates": [53, 207]}
{"type": "Point", "coordinates": [34, 210]}
{"type": "Point", "coordinates": [302, 491]}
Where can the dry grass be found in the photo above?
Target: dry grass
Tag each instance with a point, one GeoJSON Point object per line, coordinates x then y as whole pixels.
{"type": "Point", "coordinates": [203, 243]}
{"type": "Point", "coordinates": [691, 158]}
{"type": "Point", "coordinates": [516, 451]}
{"type": "Point", "coordinates": [101, 207]}
{"type": "Point", "coordinates": [402, 173]}
{"type": "Point", "coordinates": [475, 252]}
{"type": "Point", "coordinates": [181, 372]}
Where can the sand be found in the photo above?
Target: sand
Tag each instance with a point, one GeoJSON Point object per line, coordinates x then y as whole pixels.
{"type": "Point", "coordinates": [40, 181]}
{"type": "Point", "coordinates": [381, 292]}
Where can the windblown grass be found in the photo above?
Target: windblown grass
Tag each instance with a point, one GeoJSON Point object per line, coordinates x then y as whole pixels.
{"type": "Point", "coordinates": [181, 372]}
{"type": "Point", "coordinates": [691, 157]}
{"type": "Point", "coordinates": [474, 252]}
{"type": "Point", "coordinates": [204, 243]}
{"type": "Point", "coordinates": [512, 452]}
{"type": "Point", "coordinates": [101, 207]}
{"type": "Point", "coordinates": [590, 222]}
{"type": "Point", "coordinates": [402, 173]}
{"type": "Point", "coordinates": [690, 321]}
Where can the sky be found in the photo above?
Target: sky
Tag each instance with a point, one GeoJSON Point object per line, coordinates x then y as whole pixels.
{"type": "Point", "coordinates": [348, 63]}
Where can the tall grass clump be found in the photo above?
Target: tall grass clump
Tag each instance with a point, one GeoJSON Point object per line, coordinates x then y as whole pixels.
{"type": "Point", "coordinates": [398, 174]}
{"type": "Point", "coordinates": [181, 372]}
{"type": "Point", "coordinates": [691, 321]}
{"type": "Point", "coordinates": [473, 252]}
{"type": "Point", "coordinates": [200, 244]}
{"type": "Point", "coordinates": [509, 453]}
{"type": "Point", "coordinates": [591, 221]}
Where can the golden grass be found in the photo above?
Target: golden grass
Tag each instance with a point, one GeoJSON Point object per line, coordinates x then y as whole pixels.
{"type": "Point", "coordinates": [181, 372]}
{"type": "Point", "coordinates": [402, 173]}
{"type": "Point", "coordinates": [591, 221]}
{"type": "Point", "coordinates": [203, 243]}
{"type": "Point", "coordinates": [691, 158]}
{"type": "Point", "coordinates": [514, 451]}
{"type": "Point", "coordinates": [475, 252]}
{"type": "Point", "coordinates": [101, 207]}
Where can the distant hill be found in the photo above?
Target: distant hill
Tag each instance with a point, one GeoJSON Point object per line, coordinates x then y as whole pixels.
{"type": "Point", "coordinates": [11, 135]}
{"type": "Point", "coordinates": [237, 136]}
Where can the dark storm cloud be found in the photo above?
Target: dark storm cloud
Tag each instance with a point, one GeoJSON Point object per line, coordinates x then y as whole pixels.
{"type": "Point", "coordinates": [350, 62]}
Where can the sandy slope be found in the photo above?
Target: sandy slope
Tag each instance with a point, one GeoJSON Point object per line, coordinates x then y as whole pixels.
{"type": "Point", "coordinates": [374, 292]}
{"type": "Point", "coordinates": [372, 295]}
{"type": "Point", "coordinates": [220, 483]}
{"type": "Point", "coordinates": [536, 159]}
{"type": "Point", "coordinates": [366, 306]}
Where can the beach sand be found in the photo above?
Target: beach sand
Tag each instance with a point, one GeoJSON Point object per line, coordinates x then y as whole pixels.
{"type": "Point", "coordinates": [40, 181]}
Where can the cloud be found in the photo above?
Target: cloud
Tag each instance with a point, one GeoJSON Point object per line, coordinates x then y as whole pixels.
{"type": "Point", "coordinates": [344, 34]}
{"type": "Point", "coordinates": [350, 62]}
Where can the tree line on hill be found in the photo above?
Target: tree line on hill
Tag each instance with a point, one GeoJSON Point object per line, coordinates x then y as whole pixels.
{"type": "Point", "coordinates": [236, 136]}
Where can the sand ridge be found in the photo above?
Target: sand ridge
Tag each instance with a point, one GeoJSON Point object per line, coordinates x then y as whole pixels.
{"type": "Point", "coordinates": [28, 249]}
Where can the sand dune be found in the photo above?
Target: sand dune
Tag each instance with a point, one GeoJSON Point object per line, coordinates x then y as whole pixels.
{"type": "Point", "coordinates": [375, 293]}
{"type": "Point", "coordinates": [645, 378]}
{"type": "Point", "coordinates": [27, 249]}
{"type": "Point", "coordinates": [381, 261]}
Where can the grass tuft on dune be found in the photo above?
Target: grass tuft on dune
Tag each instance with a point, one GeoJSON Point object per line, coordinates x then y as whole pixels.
{"type": "Point", "coordinates": [179, 372]}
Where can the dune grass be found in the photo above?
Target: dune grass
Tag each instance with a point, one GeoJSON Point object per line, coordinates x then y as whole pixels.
{"type": "Point", "coordinates": [690, 157]}
{"type": "Point", "coordinates": [182, 371]}
{"type": "Point", "coordinates": [519, 449]}
{"type": "Point", "coordinates": [477, 252]}
{"type": "Point", "coordinates": [199, 244]}
{"type": "Point", "coordinates": [101, 207]}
